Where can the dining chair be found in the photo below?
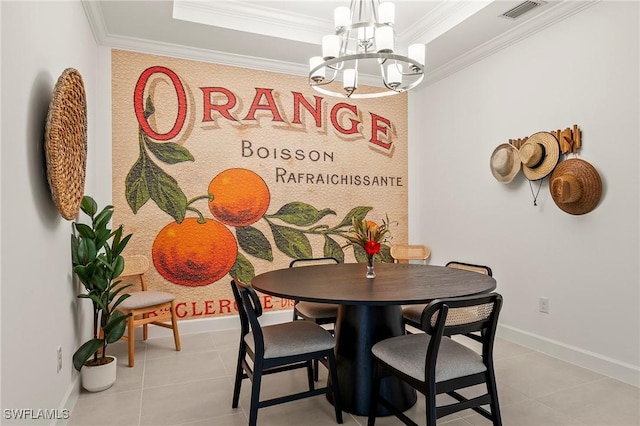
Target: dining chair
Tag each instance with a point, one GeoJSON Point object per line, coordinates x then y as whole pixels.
{"type": "Point", "coordinates": [320, 313]}
{"type": "Point", "coordinates": [433, 363]}
{"type": "Point", "coordinates": [411, 313]}
{"type": "Point", "coordinates": [481, 269]}
{"type": "Point", "coordinates": [145, 306]}
{"type": "Point", "coordinates": [404, 253]}
{"type": "Point", "coordinates": [277, 348]}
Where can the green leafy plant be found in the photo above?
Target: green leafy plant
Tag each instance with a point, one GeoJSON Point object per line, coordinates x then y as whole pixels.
{"type": "Point", "coordinates": [96, 254]}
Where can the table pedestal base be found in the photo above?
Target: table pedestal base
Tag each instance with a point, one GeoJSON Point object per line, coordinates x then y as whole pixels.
{"type": "Point", "coordinates": [357, 329]}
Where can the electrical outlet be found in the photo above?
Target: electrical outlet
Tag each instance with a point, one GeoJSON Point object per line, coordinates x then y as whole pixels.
{"type": "Point", "coordinates": [543, 305]}
{"type": "Point", "coordinates": [59, 352]}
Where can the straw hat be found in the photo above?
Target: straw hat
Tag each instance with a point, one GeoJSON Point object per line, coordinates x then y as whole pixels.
{"type": "Point", "coordinates": [539, 155]}
{"type": "Point", "coordinates": [505, 163]}
{"type": "Point", "coordinates": [575, 186]}
{"type": "Point", "coordinates": [66, 143]}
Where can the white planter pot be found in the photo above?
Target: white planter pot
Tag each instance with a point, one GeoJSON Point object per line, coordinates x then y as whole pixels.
{"type": "Point", "coordinates": [99, 378]}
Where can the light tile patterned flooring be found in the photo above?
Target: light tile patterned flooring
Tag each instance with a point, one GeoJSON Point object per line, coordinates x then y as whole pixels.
{"type": "Point", "coordinates": [194, 387]}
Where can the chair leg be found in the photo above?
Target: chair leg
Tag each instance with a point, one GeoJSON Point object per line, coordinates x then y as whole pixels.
{"type": "Point", "coordinates": [335, 386]}
{"type": "Point", "coordinates": [373, 398]}
{"type": "Point", "coordinates": [131, 340]}
{"type": "Point", "coordinates": [316, 366]}
{"type": "Point", "coordinates": [174, 326]}
{"type": "Point", "coordinates": [145, 328]}
{"type": "Point", "coordinates": [430, 404]}
{"type": "Point", "coordinates": [310, 375]}
{"type": "Point", "coordinates": [255, 395]}
{"type": "Point", "coordinates": [493, 392]}
{"type": "Point", "coordinates": [238, 382]}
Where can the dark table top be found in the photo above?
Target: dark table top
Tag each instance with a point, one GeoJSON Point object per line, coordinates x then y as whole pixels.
{"type": "Point", "coordinates": [395, 283]}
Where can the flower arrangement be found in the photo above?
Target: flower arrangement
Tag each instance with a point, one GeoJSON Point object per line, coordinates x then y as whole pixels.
{"type": "Point", "coordinates": [370, 236]}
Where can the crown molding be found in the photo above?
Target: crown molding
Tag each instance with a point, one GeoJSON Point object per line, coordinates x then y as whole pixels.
{"type": "Point", "coordinates": [549, 17]}
{"type": "Point", "coordinates": [96, 20]}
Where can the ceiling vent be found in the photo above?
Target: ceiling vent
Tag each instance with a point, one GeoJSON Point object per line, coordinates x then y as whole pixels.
{"type": "Point", "coordinates": [522, 8]}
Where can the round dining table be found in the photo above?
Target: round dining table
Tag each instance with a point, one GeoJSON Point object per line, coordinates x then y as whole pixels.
{"type": "Point", "coordinates": [370, 311]}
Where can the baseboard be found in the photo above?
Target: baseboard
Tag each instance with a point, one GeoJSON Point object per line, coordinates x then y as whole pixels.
{"type": "Point", "coordinates": [205, 325]}
{"type": "Point", "coordinates": [615, 369]}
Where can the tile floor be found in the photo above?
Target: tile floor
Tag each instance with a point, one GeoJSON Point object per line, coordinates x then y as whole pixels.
{"type": "Point", "coordinates": [194, 387]}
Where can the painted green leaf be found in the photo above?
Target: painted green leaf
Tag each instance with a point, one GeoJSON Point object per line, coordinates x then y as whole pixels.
{"type": "Point", "coordinates": [253, 242]}
{"type": "Point", "coordinates": [358, 212]}
{"type": "Point", "coordinates": [301, 214]}
{"type": "Point", "coordinates": [146, 180]}
{"type": "Point", "coordinates": [149, 108]}
{"type": "Point", "coordinates": [136, 189]}
{"type": "Point", "coordinates": [164, 190]}
{"type": "Point", "coordinates": [291, 242]}
{"type": "Point", "coordinates": [242, 270]}
{"type": "Point", "coordinates": [333, 249]}
{"type": "Point", "coordinates": [168, 152]}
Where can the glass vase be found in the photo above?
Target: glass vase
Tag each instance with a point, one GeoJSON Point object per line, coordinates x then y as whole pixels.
{"type": "Point", "coordinates": [371, 273]}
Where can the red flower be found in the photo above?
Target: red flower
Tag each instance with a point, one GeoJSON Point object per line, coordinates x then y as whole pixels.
{"type": "Point", "coordinates": [372, 247]}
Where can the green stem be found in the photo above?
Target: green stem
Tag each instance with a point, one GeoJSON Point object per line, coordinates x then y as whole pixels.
{"type": "Point", "coordinates": [201, 218]}
{"type": "Point", "coordinates": [209, 197]}
{"type": "Point", "coordinates": [315, 231]}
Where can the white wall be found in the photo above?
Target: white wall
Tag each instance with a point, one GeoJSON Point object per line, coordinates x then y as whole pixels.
{"type": "Point", "coordinates": [39, 305]}
{"type": "Point", "coordinates": [583, 70]}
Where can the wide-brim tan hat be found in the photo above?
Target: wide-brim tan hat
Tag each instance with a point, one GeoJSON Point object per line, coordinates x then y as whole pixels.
{"type": "Point", "coordinates": [575, 186]}
{"type": "Point", "coordinates": [505, 163]}
{"type": "Point", "coordinates": [539, 155]}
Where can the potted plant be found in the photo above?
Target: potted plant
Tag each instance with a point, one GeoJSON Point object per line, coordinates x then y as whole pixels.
{"type": "Point", "coordinates": [97, 262]}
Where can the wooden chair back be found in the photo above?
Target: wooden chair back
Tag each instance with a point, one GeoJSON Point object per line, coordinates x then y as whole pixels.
{"type": "Point", "coordinates": [403, 253]}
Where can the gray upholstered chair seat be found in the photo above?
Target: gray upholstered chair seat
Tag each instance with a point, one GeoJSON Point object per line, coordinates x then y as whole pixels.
{"type": "Point", "coordinates": [317, 310]}
{"type": "Point", "coordinates": [143, 299]}
{"type": "Point", "coordinates": [407, 354]}
{"type": "Point", "coordinates": [292, 338]}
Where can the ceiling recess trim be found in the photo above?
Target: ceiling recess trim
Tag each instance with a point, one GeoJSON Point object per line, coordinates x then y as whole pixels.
{"type": "Point", "coordinates": [253, 19]}
{"type": "Point", "coordinates": [441, 19]}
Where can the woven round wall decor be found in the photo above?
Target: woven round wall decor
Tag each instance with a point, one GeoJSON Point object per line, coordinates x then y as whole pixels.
{"type": "Point", "coordinates": [66, 143]}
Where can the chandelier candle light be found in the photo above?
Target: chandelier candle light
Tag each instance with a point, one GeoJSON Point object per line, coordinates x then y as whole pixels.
{"type": "Point", "coordinates": [365, 35]}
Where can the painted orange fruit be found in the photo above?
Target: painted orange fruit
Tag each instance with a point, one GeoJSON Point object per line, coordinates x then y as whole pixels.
{"type": "Point", "coordinates": [194, 254]}
{"type": "Point", "coordinates": [240, 197]}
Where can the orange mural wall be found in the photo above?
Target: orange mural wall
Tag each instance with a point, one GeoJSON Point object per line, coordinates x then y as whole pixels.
{"type": "Point", "coordinates": [221, 171]}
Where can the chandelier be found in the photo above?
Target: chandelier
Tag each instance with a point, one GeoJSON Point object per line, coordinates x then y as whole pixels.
{"type": "Point", "coordinates": [364, 43]}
